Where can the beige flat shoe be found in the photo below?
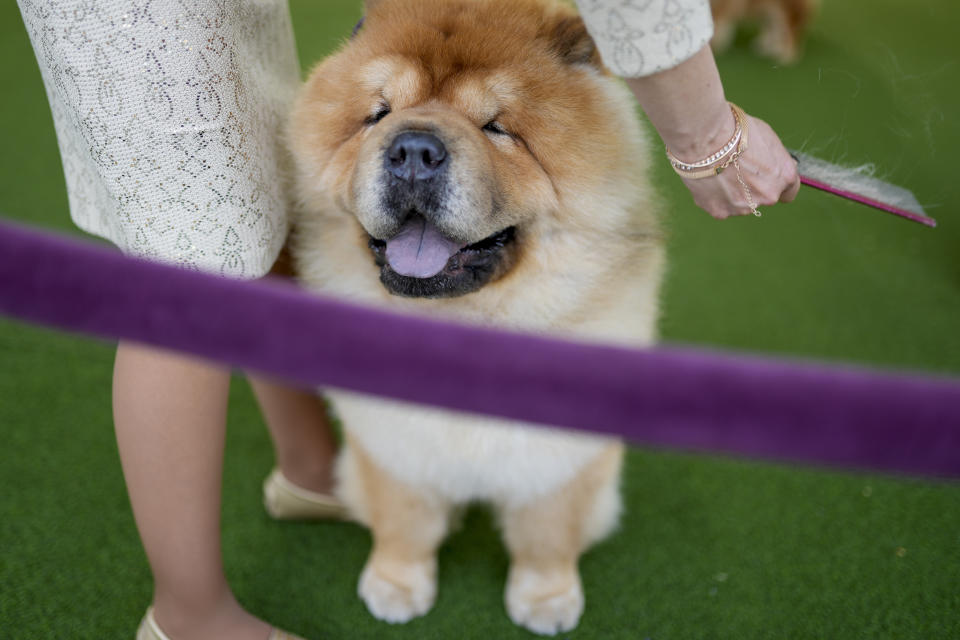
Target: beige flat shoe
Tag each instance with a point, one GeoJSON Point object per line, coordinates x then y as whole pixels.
{"type": "Point", "coordinates": [284, 500]}
{"type": "Point", "coordinates": [149, 630]}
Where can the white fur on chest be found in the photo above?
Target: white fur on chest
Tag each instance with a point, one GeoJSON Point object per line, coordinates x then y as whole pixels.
{"type": "Point", "coordinates": [465, 457]}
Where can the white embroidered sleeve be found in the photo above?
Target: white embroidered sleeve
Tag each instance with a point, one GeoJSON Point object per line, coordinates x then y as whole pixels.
{"type": "Point", "coordinates": [168, 116]}
{"type": "Point", "coordinates": [641, 37]}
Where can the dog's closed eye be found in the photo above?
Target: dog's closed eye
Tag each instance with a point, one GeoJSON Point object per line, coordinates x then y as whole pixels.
{"type": "Point", "coordinates": [495, 127]}
{"type": "Point", "coordinates": [383, 110]}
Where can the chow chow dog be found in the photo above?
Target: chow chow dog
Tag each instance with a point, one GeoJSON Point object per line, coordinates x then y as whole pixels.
{"type": "Point", "coordinates": [473, 160]}
{"type": "Point", "coordinates": [783, 24]}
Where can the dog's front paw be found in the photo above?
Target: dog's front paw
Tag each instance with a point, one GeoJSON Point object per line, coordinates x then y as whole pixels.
{"type": "Point", "coordinates": [396, 592]}
{"type": "Point", "coordinates": [545, 603]}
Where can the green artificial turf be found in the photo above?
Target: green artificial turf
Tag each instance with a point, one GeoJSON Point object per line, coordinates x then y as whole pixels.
{"type": "Point", "coordinates": [708, 548]}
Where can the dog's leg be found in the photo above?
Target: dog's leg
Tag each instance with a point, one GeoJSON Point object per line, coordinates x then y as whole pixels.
{"type": "Point", "coordinates": [780, 35]}
{"type": "Point", "coordinates": [399, 581]}
{"type": "Point", "coordinates": [725, 14]}
{"type": "Point", "coordinates": [545, 539]}
{"type": "Point", "coordinates": [723, 34]}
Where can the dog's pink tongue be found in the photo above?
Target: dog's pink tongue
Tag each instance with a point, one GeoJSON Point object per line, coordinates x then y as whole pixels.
{"type": "Point", "coordinates": [420, 250]}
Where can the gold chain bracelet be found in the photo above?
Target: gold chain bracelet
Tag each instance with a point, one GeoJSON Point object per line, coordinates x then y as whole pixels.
{"type": "Point", "coordinates": [697, 169]}
{"type": "Point", "coordinates": [714, 164]}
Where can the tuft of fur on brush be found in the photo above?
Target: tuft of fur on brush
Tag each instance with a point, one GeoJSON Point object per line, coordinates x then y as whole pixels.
{"type": "Point", "coordinates": [857, 180]}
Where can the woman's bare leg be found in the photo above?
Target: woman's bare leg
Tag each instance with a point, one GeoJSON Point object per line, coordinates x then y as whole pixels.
{"type": "Point", "coordinates": [170, 417]}
{"type": "Point", "coordinates": [297, 419]}
{"type": "Point", "coordinates": [302, 436]}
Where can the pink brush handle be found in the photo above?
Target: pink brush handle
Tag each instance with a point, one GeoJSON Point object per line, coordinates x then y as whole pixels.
{"type": "Point", "coordinates": [870, 202]}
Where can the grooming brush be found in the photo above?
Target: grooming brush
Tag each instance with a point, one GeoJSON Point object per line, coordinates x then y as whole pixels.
{"type": "Point", "coordinates": [858, 185]}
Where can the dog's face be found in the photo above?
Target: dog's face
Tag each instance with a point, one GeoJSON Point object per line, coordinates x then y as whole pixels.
{"type": "Point", "coordinates": [448, 130]}
{"type": "Point", "coordinates": [434, 184]}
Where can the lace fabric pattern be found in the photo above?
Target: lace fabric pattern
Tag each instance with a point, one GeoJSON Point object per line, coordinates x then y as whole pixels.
{"type": "Point", "coordinates": [641, 37]}
{"type": "Point", "coordinates": [168, 117]}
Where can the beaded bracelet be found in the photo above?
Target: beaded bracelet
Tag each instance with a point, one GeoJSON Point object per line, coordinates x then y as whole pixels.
{"type": "Point", "coordinates": [715, 163]}
{"type": "Point", "coordinates": [683, 168]}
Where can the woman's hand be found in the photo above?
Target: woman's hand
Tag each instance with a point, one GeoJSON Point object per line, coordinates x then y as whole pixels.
{"type": "Point", "coordinates": [686, 105]}
{"type": "Point", "coordinates": [768, 175]}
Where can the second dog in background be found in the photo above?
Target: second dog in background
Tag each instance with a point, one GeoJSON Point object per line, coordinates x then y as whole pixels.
{"type": "Point", "coordinates": [783, 25]}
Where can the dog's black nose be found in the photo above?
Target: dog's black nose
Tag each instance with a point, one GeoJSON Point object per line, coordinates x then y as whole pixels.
{"type": "Point", "coordinates": [416, 155]}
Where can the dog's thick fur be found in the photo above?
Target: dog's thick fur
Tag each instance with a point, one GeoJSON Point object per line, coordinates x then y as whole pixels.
{"type": "Point", "coordinates": [538, 140]}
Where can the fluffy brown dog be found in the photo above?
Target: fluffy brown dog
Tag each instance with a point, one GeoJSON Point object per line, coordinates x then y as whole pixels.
{"type": "Point", "coordinates": [783, 24]}
{"type": "Point", "coordinates": [471, 159]}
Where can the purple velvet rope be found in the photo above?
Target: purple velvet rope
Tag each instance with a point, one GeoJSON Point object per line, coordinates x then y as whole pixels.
{"type": "Point", "coordinates": [671, 397]}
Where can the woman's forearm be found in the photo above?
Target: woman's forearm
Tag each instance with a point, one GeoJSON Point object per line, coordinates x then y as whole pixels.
{"type": "Point", "coordinates": [686, 105]}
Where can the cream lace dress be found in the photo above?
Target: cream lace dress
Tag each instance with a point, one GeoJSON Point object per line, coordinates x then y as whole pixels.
{"type": "Point", "coordinates": [641, 37]}
{"type": "Point", "coordinates": [167, 116]}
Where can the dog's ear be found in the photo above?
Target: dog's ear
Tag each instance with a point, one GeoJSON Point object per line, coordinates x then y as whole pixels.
{"type": "Point", "coordinates": [369, 4]}
{"type": "Point", "coordinates": [569, 39]}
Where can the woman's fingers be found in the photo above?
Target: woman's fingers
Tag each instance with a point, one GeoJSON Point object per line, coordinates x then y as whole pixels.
{"type": "Point", "coordinates": [764, 175]}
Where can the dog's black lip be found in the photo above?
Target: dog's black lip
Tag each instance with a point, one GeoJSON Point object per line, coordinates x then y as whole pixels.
{"type": "Point", "coordinates": [466, 271]}
{"type": "Point", "coordinates": [492, 242]}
